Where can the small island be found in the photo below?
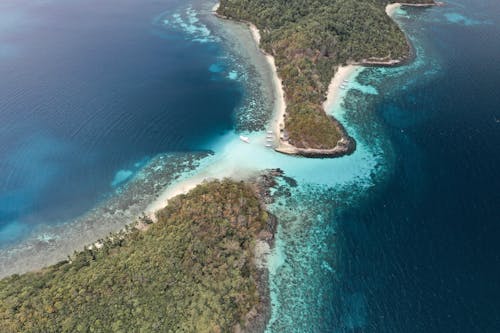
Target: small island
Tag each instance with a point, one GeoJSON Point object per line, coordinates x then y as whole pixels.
{"type": "Point", "coordinates": [308, 44]}
{"type": "Point", "coordinates": [193, 270]}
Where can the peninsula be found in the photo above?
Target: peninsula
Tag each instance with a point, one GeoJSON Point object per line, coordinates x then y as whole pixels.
{"type": "Point", "coordinates": [308, 44]}
{"type": "Point", "coordinates": [193, 270]}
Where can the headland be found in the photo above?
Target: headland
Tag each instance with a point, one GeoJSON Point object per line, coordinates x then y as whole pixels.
{"type": "Point", "coordinates": [195, 269]}
{"type": "Point", "coordinates": [305, 61]}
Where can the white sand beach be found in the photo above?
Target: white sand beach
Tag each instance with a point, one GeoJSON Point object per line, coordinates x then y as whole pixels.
{"type": "Point", "coordinates": [343, 74]}
{"type": "Point", "coordinates": [278, 120]}
{"type": "Point", "coordinates": [391, 8]}
{"type": "Point", "coordinates": [182, 187]}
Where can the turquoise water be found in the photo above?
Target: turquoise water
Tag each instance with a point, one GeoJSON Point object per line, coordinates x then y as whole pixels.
{"type": "Point", "coordinates": [365, 242]}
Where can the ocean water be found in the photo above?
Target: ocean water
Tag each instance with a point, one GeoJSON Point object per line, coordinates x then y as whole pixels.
{"type": "Point", "coordinates": [400, 236]}
{"type": "Point", "coordinates": [418, 250]}
{"type": "Point", "coordinates": [90, 92]}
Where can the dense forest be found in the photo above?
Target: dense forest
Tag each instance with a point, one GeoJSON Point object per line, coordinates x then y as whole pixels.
{"type": "Point", "coordinates": [192, 271]}
{"type": "Point", "coordinates": [309, 39]}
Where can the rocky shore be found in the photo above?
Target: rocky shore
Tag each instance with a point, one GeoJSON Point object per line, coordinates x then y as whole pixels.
{"type": "Point", "coordinates": [345, 146]}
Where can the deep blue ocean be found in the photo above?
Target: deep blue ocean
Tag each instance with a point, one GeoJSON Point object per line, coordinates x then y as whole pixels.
{"type": "Point", "coordinates": [89, 91]}
{"type": "Point", "coordinates": [421, 252]}
{"type": "Point", "coordinates": [92, 91]}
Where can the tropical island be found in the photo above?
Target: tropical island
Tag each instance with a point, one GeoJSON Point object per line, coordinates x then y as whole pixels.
{"type": "Point", "coordinates": [309, 42]}
{"type": "Point", "coordinates": [192, 271]}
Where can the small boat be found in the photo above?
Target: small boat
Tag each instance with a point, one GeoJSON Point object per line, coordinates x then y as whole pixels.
{"type": "Point", "coordinates": [345, 81]}
{"type": "Point", "coordinates": [268, 145]}
{"type": "Point", "coordinates": [244, 139]}
{"type": "Point", "coordinates": [269, 132]}
{"type": "Point", "coordinates": [269, 140]}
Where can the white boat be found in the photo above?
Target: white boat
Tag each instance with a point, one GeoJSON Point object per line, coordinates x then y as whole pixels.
{"type": "Point", "coordinates": [244, 139]}
{"type": "Point", "coordinates": [269, 132]}
{"type": "Point", "coordinates": [268, 145]}
{"type": "Point", "coordinates": [269, 140]}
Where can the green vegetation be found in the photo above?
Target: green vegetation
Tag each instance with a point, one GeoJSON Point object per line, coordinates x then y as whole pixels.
{"type": "Point", "coordinates": [309, 39]}
{"type": "Point", "coordinates": [192, 271]}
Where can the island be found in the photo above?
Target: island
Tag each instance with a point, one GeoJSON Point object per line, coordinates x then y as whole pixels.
{"type": "Point", "coordinates": [193, 270]}
{"type": "Point", "coordinates": [308, 42]}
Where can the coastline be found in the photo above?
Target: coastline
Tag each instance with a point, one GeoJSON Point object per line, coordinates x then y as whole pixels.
{"type": "Point", "coordinates": [182, 187]}
{"type": "Point", "coordinates": [190, 182]}
{"type": "Point", "coordinates": [279, 108]}
{"type": "Point", "coordinates": [343, 74]}
{"type": "Point", "coordinates": [391, 8]}
{"type": "Point", "coordinates": [52, 243]}
{"type": "Point", "coordinates": [279, 112]}
{"type": "Point", "coordinates": [346, 145]}
{"type": "Point", "coordinates": [237, 218]}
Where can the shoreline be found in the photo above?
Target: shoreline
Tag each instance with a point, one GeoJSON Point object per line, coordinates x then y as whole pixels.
{"type": "Point", "coordinates": [279, 108]}
{"type": "Point", "coordinates": [344, 73]}
{"type": "Point", "coordinates": [182, 187]}
{"type": "Point", "coordinates": [346, 145]}
{"type": "Point", "coordinates": [50, 244]}
{"type": "Point", "coordinates": [279, 112]}
{"type": "Point", "coordinates": [391, 8]}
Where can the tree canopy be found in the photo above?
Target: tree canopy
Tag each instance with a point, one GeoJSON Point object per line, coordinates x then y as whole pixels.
{"type": "Point", "coordinates": [309, 40]}
{"type": "Point", "coordinates": [192, 271]}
